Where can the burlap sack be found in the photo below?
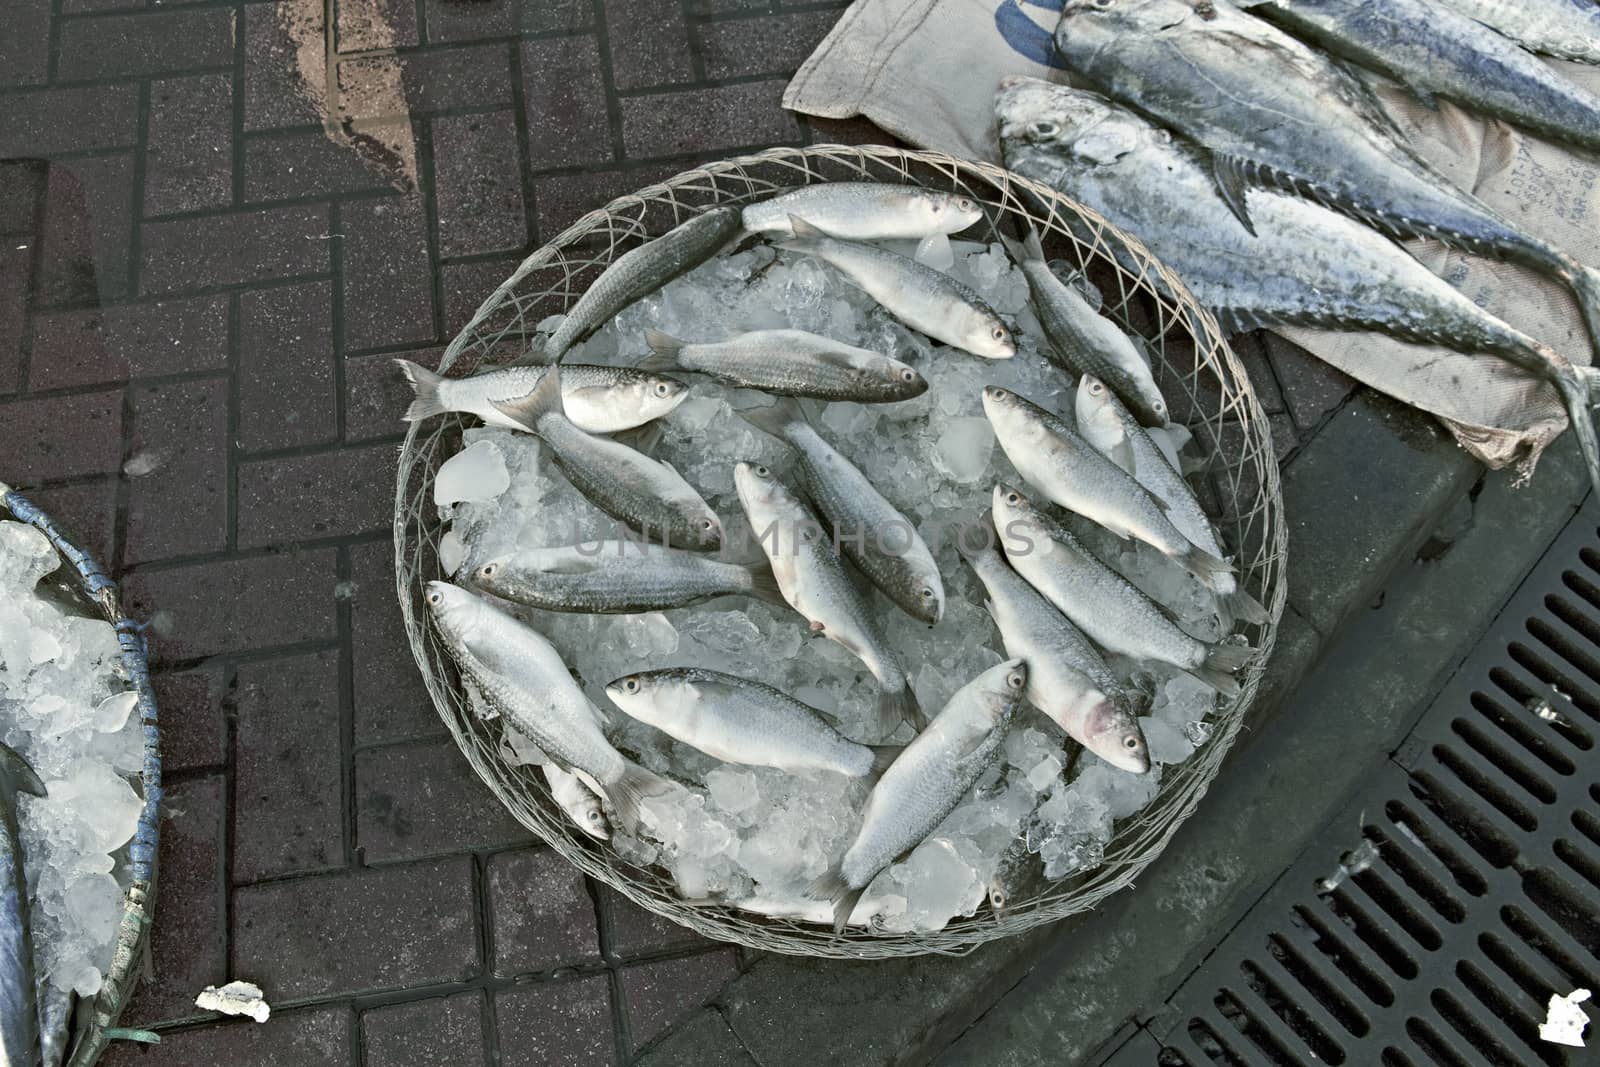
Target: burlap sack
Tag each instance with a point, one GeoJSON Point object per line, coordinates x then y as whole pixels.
{"type": "Point", "coordinates": [926, 71]}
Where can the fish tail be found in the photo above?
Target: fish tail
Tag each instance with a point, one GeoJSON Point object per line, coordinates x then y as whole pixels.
{"type": "Point", "coordinates": [630, 790]}
{"type": "Point", "coordinates": [16, 776]}
{"type": "Point", "coordinates": [1228, 658]}
{"type": "Point", "coordinates": [896, 706]}
{"type": "Point", "coordinates": [425, 384]}
{"type": "Point", "coordinates": [776, 418]}
{"type": "Point", "coordinates": [832, 887]}
{"type": "Point", "coordinates": [664, 351]}
{"type": "Point", "coordinates": [976, 539]}
{"type": "Point", "coordinates": [1211, 571]}
{"type": "Point", "coordinates": [1222, 683]}
{"type": "Point", "coordinates": [882, 756]}
{"type": "Point", "coordinates": [1240, 604]}
{"type": "Point", "coordinates": [803, 230]}
{"type": "Point", "coordinates": [764, 584]}
{"type": "Point", "coordinates": [545, 399]}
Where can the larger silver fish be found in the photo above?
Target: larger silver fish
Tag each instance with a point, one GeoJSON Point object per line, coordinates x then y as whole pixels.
{"type": "Point", "coordinates": [925, 783]}
{"type": "Point", "coordinates": [815, 584]}
{"type": "Point", "coordinates": [19, 1009]}
{"type": "Point", "coordinates": [790, 363]}
{"type": "Point", "coordinates": [1067, 678]}
{"type": "Point", "coordinates": [865, 211]}
{"type": "Point", "coordinates": [645, 493]}
{"type": "Point", "coordinates": [740, 721]}
{"type": "Point", "coordinates": [1104, 604]}
{"type": "Point", "coordinates": [1304, 265]}
{"type": "Point", "coordinates": [619, 577]}
{"type": "Point", "coordinates": [522, 676]}
{"type": "Point", "coordinates": [916, 294]}
{"type": "Point", "coordinates": [1436, 51]}
{"type": "Point", "coordinates": [1052, 458]}
{"type": "Point", "coordinates": [597, 399]}
{"type": "Point", "coordinates": [1117, 435]}
{"type": "Point", "coordinates": [636, 274]}
{"type": "Point", "coordinates": [870, 531]}
{"type": "Point", "coordinates": [1567, 29]}
{"type": "Point", "coordinates": [1274, 112]}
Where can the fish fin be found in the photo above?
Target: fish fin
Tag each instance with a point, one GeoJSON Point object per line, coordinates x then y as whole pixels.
{"type": "Point", "coordinates": [425, 385]}
{"type": "Point", "coordinates": [1228, 658]}
{"type": "Point", "coordinates": [803, 230]}
{"type": "Point", "coordinates": [628, 792]}
{"type": "Point", "coordinates": [1231, 184]}
{"type": "Point", "coordinates": [764, 584]}
{"type": "Point", "coordinates": [1090, 292]}
{"type": "Point", "coordinates": [775, 419]}
{"type": "Point", "coordinates": [545, 399]}
{"type": "Point", "coordinates": [882, 756]}
{"type": "Point", "coordinates": [1206, 567]}
{"type": "Point", "coordinates": [16, 775]}
{"type": "Point", "coordinates": [897, 706]}
{"type": "Point", "coordinates": [1237, 320]}
{"type": "Point", "coordinates": [1122, 456]}
{"type": "Point", "coordinates": [1222, 683]}
{"type": "Point", "coordinates": [1241, 604]}
{"type": "Point", "coordinates": [664, 349]}
{"type": "Point", "coordinates": [646, 439]}
{"type": "Point", "coordinates": [833, 888]}
{"type": "Point", "coordinates": [571, 565]}
{"type": "Point", "coordinates": [1027, 250]}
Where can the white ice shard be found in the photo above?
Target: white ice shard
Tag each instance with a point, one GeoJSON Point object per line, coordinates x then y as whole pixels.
{"type": "Point", "coordinates": [235, 998]}
{"type": "Point", "coordinates": [475, 474]}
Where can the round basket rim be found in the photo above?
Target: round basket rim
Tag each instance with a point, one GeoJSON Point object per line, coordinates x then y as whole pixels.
{"type": "Point", "coordinates": [725, 922]}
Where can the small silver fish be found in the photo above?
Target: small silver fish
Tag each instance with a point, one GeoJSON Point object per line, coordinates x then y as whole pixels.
{"type": "Point", "coordinates": [870, 531]}
{"type": "Point", "coordinates": [741, 721]}
{"type": "Point", "coordinates": [865, 211]}
{"type": "Point", "coordinates": [19, 1009]}
{"type": "Point", "coordinates": [620, 577]}
{"type": "Point", "coordinates": [56, 1008]}
{"type": "Point", "coordinates": [789, 363]}
{"type": "Point", "coordinates": [1018, 876]}
{"type": "Point", "coordinates": [916, 294]}
{"type": "Point", "coordinates": [1101, 602]}
{"type": "Point", "coordinates": [597, 399]}
{"type": "Point", "coordinates": [580, 802]}
{"type": "Point", "coordinates": [925, 783]}
{"type": "Point", "coordinates": [815, 584]}
{"type": "Point", "coordinates": [636, 274]}
{"type": "Point", "coordinates": [523, 677]}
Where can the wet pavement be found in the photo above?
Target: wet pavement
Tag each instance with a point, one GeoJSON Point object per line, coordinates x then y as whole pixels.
{"type": "Point", "coordinates": [218, 224]}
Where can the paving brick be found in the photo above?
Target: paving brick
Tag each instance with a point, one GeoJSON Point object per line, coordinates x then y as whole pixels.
{"type": "Point", "coordinates": [76, 7]}
{"type": "Point", "coordinates": [540, 912]}
{"type": "Point", "coordinates": [193, 733]}
{"type": "Point", "coordinates": [1251, 348]}
{"type": "Point", "coordinates": [702, 1040]}
{"type": "Point", "coordinates": [556, 16]}
{"type": "Point", "coordinates": [326, 494]}
{"type": "Point", "coordinates": [124, 341]}
{"type": "Point", "coordinates": [422, 799]}
{"type": "Point", "coordinates": [478, 184]}
{"type": "Point", "coordinates": [467, 285]}
{"type": "Point", "coordinates": [278, 38]}
{"type": "Point", "coordinates": [189, 938]}
{"type": "Point", "coordinates": [391, 702]}
{"type": "Point", "coordinates": [37, 450]}
{"type": "Point", "coordinates": [88, 225]}
{"type": "Point", "coordinates": [287, 393]}
{"type": "Point", "coordinates": [1284, 438]}
{"type": "Point", "coordinates": [376, 394]}
{"type": "Point", "coordinates": [648, 42]}
{"type": "Point", "coordinates": [1311, 388]}
{"type": "Point", "coordinates": [288, 816]}
{"type": "Point", "coordinates": [771, 44]}
{"type": "Point", "coordinates": [45, 122]}
{"type": "Point", "coordinates": [451, 20]}
{"type": "Point", "coordinates": [309, 1037]}
{"type": "Point", "coordinates": [634, 931]}
{"type": "Point", "coordinates": [87, 511]}
{"type": "Point", "coordinates": [189, 148]}
{"type": "Point", "coordinates": [16, 276]}
{"type": "Point", "coordinates": [365, 930]}
{"type": "Point", "coordinates": [25, 46]}
{"type": "Point", "coordinates": [150, 42]}
{"type": "Point", "coordinates": [658, 994]}
{"type": "Point", "coordinates": [279, 167]}
{"type": "Point", "coordinates": [433, 80]}
{"type": "Point", "coordinates": [562, 198]}
{"type": "Point", "coordinates": [564, 102]}
{"type": "Point", "coordinates": [706, 120]}
{"type": "Point", "coordinates": [367, 24]}
{"type": "Point", "coordinates": [234, 248]}
{"type": "Point", "coordinates": [21, 186]}
{"type": "Point", "coordinates": [424, 1033]}
{"type": "Point", "coordinates": [230, 605]}
{"type": "Point", "coordinates": [388, 291]}
{"type": "Point", "coordinates": [180, 507]}
{"type": "Point", "coordinates": [556, 1022]}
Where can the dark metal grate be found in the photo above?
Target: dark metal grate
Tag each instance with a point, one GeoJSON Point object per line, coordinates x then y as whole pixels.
{"type": "Point", "coordinates": [1474, 885]}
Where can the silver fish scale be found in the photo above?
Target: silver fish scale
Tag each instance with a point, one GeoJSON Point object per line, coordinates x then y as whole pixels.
{"type": "Point", "coordinates": [1152, 470]}
{"type": "Point", "coordinates": [626, 484]}
{"type": "Point", "coordinates": [642, 578]}
{"type": "Point", "coordinates": [814, 557]}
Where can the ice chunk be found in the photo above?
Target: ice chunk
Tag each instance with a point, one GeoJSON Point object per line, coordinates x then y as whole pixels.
{"type": "Point", "coordinates": [1167, 743]}
{"type": "Point", "coordinates": [964, 449]}
{"type": "Point", "coordinates": [731, 790]}
{"type": "Point", "coordinates": [142, 463]}
{"type": "Point", "coordinates": [935, 251]}
{"type": "Point", "coordinates": [235, 998]}
{"type": "Point", "coordinates": [1044, 773]}
{"type": "Point", "coordinates": [475, 474]}
{"type": "Point", "coordinates": [1564, 1019]}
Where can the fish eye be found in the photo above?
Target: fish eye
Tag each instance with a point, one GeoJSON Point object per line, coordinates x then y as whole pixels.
{"type": "Point", "coordinates": [927, 593]}
{"type": "Point", "coordinates": [631, 685]}
{"type": "Point", "coordinates": [762, 472]}
{"type": "Point", "coordinates": [997, 898]}
{"type": "Point", "coordinates": [1043, 129]}
{"type": "Point", "coordinates": [998, 333]}
{"type": "Point", "coordinates": [706, 524]}
{"type": "Point", "coordinates": [662, 389]}
{"type": "Point", "coordinates": [908, 375]}
{"type": "Point", "coordinates": [1013, 498]}
{"type": "Point", "coordinates": [1015, 680]}
{"type": "Point", "coordinates": [434, 598]}
{"type": "Point", "coordinates": [1096, 389]}
{"type": "Point", "coordinates": [964, 204]}
{"type": "Point", "coordinates": [594, 815]}
{"type": "Point", "coordinates": [1131, 744]}
{"type": "Point", "coordinates": [487, 570]}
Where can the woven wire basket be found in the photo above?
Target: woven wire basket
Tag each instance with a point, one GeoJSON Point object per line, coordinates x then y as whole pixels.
{"type": "Point", "coordinates": [1205, 387]}
{"type": "Point", "coordinates": [98, 1026]}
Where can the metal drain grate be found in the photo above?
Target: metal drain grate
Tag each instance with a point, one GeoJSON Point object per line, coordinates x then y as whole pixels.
{"type": "Point", "coordinates": [1468, 873]}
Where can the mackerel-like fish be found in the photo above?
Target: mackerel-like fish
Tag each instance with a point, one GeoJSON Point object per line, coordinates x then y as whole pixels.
{"type": "Point", "coordinates": [740, 721]}
{"type": "Point", "coordinates": [1273, 112]}
{"type": "Point", "coordinates": [648, 495]}
{"type": "Point", "coordinates": [870, 531]}
{"type": "Point", "coordinates": [597, 399]}
{"type": "Point", "coordinates": [925, 783]}
{"type": "Point", "coordinates": [790, 363]}
{"type": "Point", "coordinates": [1436, 51]}
{"type": "Point", "coordinates": [1067, 678]}
{"type": "Point", "coordinates": [581, 803]}
{"type": "Point", "coordinates": [1117, 435]}
{"type": "Point", "coordinates": [619, 577]}
{"type": "Point", "coordinates": [1082, 340]}
{"type": "Point", "coordinates": [1567, 29]}
{"type": "Point", "coordinates": [522, 676]}
{"type": "Point", "coordinates": [1104, 604]}
{"type": "Point", "coordinates": [1304, 265]}
{"type": "Point", "coordinates": [1052, 458]}
{"type": "Point", "coordinates": [815, 584]}
{"type": "Point", "coordinates": [636, 274]}
{"type": "Point", "coordinates": [19, 1009]}
{"type": "Point", "coordinates": [865, 211]}
{"type": "Point", "coordinates": [916, 294]}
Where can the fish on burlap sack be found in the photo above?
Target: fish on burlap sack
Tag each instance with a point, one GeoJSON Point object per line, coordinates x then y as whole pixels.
{"type": "Point", "coordinates": [927, 70]}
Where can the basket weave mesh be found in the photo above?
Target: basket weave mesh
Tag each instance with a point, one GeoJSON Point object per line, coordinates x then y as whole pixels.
{"type": "Point", "coordinates": [1205, 387]}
